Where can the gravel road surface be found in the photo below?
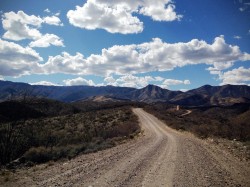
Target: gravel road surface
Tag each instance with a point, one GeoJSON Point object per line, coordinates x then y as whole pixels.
{"type": "Point", "coordinates": [160, 156]}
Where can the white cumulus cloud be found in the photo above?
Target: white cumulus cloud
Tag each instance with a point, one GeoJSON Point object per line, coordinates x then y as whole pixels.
{"type": "Point", "coordinates": [78, 81]}
{"type": "Point", "coordinates": [158, 78]}
{"type": "Point", "coordinates": [94, 15]}
{"type": "Point", "coordinates": [218, 67]}
{"type": "Point", "coordinates": [149, 56]}
{"type": "Point", "coordinates": [20, 26]}
{"type": "Point", "coordinates": [186, 82]}
{"type": "Point", "coordinates": [44, 83]}
{"type": "Point", "coordinates": [161, 10]}
{"type": "Point", "coordinates": [52, 20]}
{"type": "Point", "coordinates": [132, 80]}
{"type": "Point", "coordinates": [237, 37]}
{"type": "Point", "coordinates": [47, 10]}
{"type": "Point", "coordinates": [237, 76]}
{"type": "Point", "coordinates": [169, 82]}
{"type": "Point", "coordinates": [109, 80]}
{"type": "Point", "coordinates": [117, 16]}
{"type": "Point", "coordinates": [65, 63]}
{"type": "Point", "coordinates": [16, 60]}
{"type": "Point", "coordinates": [47, 40]}
{"type": "Point", "coordinates": [122, 60]}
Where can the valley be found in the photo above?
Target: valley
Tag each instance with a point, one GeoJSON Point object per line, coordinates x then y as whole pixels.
{"type": "Point", "coordinates": [118, 136]}
{"type": "Point", "coordinates": [134, 93]}
{"type": "Point", "coordinates": [206, 95]}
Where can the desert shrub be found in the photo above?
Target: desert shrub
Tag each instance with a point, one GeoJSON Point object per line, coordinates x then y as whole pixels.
{"type": "Point", "coordinates": [230, 122]}
{"type": "Point", "coordinates": [52, 138]}
{"type": "Point", "coordinates": [43, 154]}
{"type": "Point", "coordinates": [38, 154]}
{"type": "Point", "coordinates": [12, 142]}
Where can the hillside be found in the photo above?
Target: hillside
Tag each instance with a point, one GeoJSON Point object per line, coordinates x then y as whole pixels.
{"type": "Point", "coordinates": [214, 95]}
{"type": "Point", "coordinates": [152, 93]}
{"type": "Point", "coordinates": [230, 122]}
{"type": "Point", "coordinates": [10, 90]}
{"type": "Point", "coordinates": [204, 96]}
{"type": "Point", "coordinates": [40, 130]}
{"type": "Point", "coordinates": [34, 108]}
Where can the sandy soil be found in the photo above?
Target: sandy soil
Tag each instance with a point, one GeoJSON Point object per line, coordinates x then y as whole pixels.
{"type": "Point", "coordinates": [159, 157]}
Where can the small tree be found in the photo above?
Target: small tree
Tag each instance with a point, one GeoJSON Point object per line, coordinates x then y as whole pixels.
{"type": "Point", "coordinates": [9, 141]}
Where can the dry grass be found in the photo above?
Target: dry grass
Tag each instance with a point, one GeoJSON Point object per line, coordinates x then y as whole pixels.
{"type": "Point", "coordinates": [52, 138]}
{"type": "Point", "coordinates": [226, 122]}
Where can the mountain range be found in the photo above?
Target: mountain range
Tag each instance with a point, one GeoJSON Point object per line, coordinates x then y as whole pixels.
{"type": "Point", "coordinates": [205, 95]}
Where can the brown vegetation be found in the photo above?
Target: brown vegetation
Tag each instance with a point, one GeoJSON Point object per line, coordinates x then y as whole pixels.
{"type": "Point", "coordinates": [231, 122]}
{"type": "Point", "coordinates": [52, 138]}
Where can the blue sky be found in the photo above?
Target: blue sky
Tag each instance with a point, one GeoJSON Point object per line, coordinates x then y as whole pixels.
{"type": "Point", "coordinates": [178, 45]}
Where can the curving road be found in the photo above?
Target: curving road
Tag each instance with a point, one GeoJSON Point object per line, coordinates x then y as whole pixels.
{"type": "Point", "coordinates": [187, 113]}
{"type": "Point", "coordinates": [159, 157]}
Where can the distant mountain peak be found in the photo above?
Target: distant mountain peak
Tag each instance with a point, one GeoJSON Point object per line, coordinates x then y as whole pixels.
{"type": "Point", "coordinates": [207, 86]}
{"type": "Point", "coordinates": [204, 95]}
{"type": "Point", "coordinates": [152, 87]}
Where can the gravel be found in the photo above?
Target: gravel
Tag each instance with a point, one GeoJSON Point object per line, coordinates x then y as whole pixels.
{"type": "Point", "coordinates": [160, 156]}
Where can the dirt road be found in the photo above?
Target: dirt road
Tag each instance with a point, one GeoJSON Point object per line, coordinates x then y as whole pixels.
{"type": "Point", "coordinates": [159, 157]}
{"type": "Point", "coordinates": [187, 113]}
